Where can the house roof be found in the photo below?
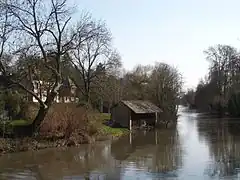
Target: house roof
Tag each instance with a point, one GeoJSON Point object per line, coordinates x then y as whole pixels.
{"type": "Point", "coordinates": [141, 107]}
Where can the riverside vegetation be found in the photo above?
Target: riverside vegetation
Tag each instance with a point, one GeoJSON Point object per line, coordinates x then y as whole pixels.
{"type": "Point", "coordinates": [64, 125]}
{"type": "Point", "coordinates": [43, 53]}
{"type": "Point", "coordinates": [219, 92]}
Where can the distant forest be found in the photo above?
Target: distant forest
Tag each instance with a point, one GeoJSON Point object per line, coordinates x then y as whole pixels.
{"type": "Point", "coordinates": [219, 91]}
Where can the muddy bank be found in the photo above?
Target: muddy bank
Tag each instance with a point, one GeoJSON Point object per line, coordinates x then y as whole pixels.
{"type": "Point", "coordinates": [9, 145]}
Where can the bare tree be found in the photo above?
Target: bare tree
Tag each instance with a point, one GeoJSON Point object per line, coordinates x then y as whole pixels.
{"type": "Point", "coordinates": [223, 65]}
{"type": "Point", "coordinates": [38, 26]}
{"type": "Point", "coordinates": [94, 56]}
{"type": "Point", "coordinates": [160, 84]}
{"type": "Point", "coordinates": [136, 82]}
{"type": "Point", "coordinates": [165, 88]}
{"type": "Point", "coordinates": [221, 58]}
{"type": "Point", "coordinates": [5, 33]}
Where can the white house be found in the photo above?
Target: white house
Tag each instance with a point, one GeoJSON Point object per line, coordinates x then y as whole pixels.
{"type": "Point", "coordinates": [67, 93]}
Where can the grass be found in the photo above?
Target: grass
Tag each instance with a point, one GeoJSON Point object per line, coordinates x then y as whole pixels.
{"type": "Point", "coordinates": [107, 130]}
{"type": "Point", "coordinates": [7, 128]}
{"type": "Point", "coordinates": [13, 123]}
{"type": "Point", "coordinates": [116, 132]}
{"type": "Point", "coordinates": [104, 117]}
{"type": "Point", "coordinates": [20, 122]}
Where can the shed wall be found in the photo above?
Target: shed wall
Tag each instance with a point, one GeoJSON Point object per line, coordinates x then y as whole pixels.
{"type": "Point", "coordinates": [149, 118]}
{"type": "Point", "coordinates": [121, 114]}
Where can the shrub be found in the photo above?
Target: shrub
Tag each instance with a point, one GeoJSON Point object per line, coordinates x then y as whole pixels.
{"type": "Point", "coordinates": [28, 110]}
{"type": "Point", "coordinates": [13, 102]}
{"type": "Point", "coordinates": [68, 121]}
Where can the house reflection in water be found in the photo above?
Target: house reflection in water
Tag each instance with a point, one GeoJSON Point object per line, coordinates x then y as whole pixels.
{"type": "Point", "coordinates": [158, 150]}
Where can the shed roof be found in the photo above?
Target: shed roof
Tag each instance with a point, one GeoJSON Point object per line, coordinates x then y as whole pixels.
{"type": "Point", "coordinates": [141, 107]}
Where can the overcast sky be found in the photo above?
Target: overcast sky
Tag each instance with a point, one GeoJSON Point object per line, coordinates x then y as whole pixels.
{"type": "Point", "coordinates": [172, 31]}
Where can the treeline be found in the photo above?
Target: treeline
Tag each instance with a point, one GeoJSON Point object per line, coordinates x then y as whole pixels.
{"type": "Point", "coordinates": [40, 42]}
{"type": "Point", "coordinates": [219, 92]}
{"type": "Point", "coordinates": [160, 84]}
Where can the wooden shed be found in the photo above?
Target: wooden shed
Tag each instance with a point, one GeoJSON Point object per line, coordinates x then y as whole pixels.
{"type": "Point", "coordinates": [135, 113]}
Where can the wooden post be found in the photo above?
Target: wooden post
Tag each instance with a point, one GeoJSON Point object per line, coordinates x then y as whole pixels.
{"type": "Point", "coordinates": [130, 137]}
{"type": "Point", "coordinates": [156, 118]}
{"type": "Point", "coordinates": [156, 137]}
{"type": "Point", "coordinates": [130, 123]}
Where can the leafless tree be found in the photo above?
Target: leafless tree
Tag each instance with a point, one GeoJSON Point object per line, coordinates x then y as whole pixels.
{"type": "Point", "coordinates": [221, 58]}
{"type": "Point", "coordinates": [5, 32]}
{"type": "Point", "coordinates": [38, 26]}
{"type": "Point", "coordinates": [223, 74]}
{"type": "Point", "coordinates": [136, 82]}
{"type": "Point", "coordinates": [93, 56]}
{"type": "Point", "coordinates": [160, 84]}
{"type": "Point", "coordinates": [165, 88]}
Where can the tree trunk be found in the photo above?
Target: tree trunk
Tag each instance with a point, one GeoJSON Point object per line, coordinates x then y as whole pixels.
{"type": "Point", "coordinates": [42, 112]}
{"type": "Point", "coordinates": [87, 97]}
{"type": "Point", "coordinates": [23, 131]}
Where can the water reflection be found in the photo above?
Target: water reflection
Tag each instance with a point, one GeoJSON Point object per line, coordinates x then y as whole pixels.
{"type": "Point", "coordinates": [199, 147]}
{"type": "Point", "coordinates": [56, 164]}
{"type": "Point", "coordinates": [224, 145]}
{"type": "Point", "coordinates": [144, 155]}
{"type": "Point", "coordinates": [159, 151]}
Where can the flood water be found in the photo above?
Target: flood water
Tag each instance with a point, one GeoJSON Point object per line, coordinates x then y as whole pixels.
{"type": "Point", "coordinates": [200, 147]}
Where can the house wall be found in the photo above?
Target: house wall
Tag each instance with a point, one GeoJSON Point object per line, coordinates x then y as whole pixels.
{"type": "Point", "coordinates": [65, 98]}
{"type": "Point", "coordinates": [121, 114]}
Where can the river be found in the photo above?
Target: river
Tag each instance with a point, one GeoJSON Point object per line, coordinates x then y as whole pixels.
{"type": "Point", "coordinates": [199, 147]}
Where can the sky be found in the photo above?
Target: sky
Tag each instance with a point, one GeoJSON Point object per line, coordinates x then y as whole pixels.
{"type": "Point", "coordinates": [171, 31]}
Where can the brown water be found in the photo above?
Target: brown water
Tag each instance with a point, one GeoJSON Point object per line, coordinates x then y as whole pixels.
{"type": "Point", "coordinates": [199, 147]}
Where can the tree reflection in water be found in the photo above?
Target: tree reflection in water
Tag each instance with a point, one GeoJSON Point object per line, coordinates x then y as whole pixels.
{"type": "Point", "coordinates": [57, 163]}
{"type": "Point", "coordinates": [155, 152]}
{"type": "Point", "coordinates": [223, 139]}
{"type": "Point", "coordinates": [151, 155]}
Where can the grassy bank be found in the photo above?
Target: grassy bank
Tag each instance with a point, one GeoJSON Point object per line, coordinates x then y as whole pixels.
{"type": "Point", "coordinates": [115, 132]}
{"type": "Point", "coordinates": [65, 125]}
{"type": "Point", "coordinates": [107, 130]}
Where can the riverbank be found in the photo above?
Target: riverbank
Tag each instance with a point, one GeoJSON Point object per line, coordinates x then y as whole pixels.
{"type": "Point", "coordinates": [10, 145]}
{"type": "Point", "coordinates": [64, 126]}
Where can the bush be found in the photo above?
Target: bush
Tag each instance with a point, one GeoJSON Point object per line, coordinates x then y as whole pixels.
{"type": "Point", "coordinates": [12, 102]}
{"type": "Point", "coordinates": [28, 111]}
{"type": "Point", "coordinates": [69, 121]}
